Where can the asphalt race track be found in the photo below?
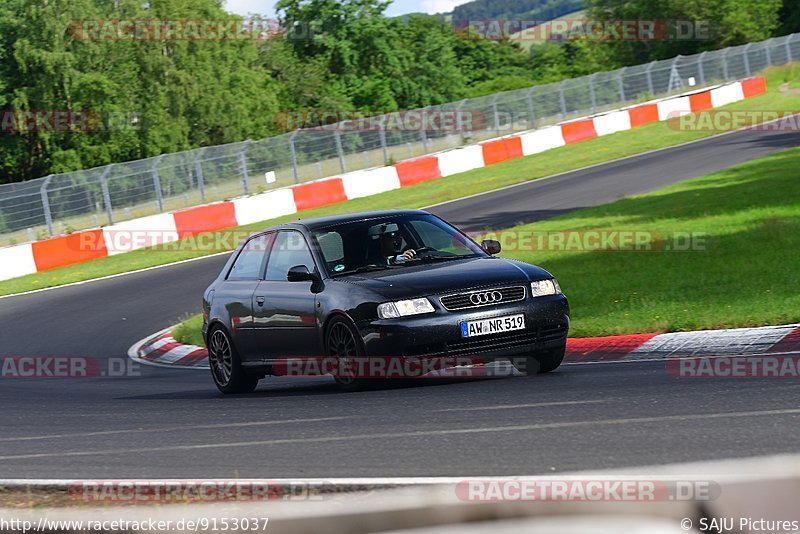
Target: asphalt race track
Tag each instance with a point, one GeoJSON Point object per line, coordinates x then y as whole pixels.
{"type": "Point", "coordinates": [173, 423]}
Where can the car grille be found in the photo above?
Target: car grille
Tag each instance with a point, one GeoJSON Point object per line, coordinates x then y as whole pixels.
{"type": "Point", "coordinates": [470, 347]}
{"type": "Point", "coordinates": [490, 343]}
{"type": "Point", "coordinates": [553, 332]}
{"type": "Point", "coordinates": [484, 297]}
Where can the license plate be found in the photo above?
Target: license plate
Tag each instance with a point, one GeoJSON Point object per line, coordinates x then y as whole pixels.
{"type": "Point", "coordinates": [495, 325]}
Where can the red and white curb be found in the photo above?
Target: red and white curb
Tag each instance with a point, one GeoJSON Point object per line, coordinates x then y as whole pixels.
{"type": "Point", "coordinates": [161, 349]}
{"type": "Point", "coordinates": [731, 342]}
{"type": "Point", "coordinates": [87, 245]}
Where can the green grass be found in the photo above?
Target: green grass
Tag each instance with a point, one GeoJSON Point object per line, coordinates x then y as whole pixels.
{"type": "Point", "coordinates": [743, 269]}
{"type": "Point", "coordinates": [189, 331]}
{"type": "Point", "coordinates": [607, 148]}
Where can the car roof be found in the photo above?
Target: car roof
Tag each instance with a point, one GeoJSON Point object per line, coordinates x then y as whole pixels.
{"type": "Point", "coordinates": [334, 220]}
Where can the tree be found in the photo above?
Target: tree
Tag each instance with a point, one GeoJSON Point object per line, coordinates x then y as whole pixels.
{"type": "Point", "coordinates": [731, 22]}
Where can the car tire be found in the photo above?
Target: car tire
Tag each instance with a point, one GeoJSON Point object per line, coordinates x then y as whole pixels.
{"type": "Point", "coordinates": [543, 362]}
{"type": "Point", "coordinates": [342, 341]}
{"type": "Point", "coordinates": [226, 367]}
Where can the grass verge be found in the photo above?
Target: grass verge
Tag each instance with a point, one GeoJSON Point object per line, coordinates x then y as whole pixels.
{"type": "Point", "coordinates": [742, 230]}
{"type": "Point", "coordinates": [724, 255]}
{"type": "Point", "coordinates": [189, 331]}
{"type": "Point", "coordinates": [599, 150]}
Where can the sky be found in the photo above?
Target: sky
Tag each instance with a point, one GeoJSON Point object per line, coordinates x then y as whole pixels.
{"type": "Point", "coordinates": [398, 7]}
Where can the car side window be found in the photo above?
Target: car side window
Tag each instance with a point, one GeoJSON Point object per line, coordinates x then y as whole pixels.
{"type": "Point", "coordinates": [249, 263]}
{"type": "Point", "coordinates": [290, 250]}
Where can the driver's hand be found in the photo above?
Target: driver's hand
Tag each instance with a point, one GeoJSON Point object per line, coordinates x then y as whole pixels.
{"type": "Point", "coordinates": [405, 256]}
{"type": "Point", "coordinates": [408, 255]}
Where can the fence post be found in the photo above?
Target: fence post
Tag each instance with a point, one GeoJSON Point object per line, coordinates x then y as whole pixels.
{"type": "Point", "coordinates": [198, 171]}
{"type": "Point", "coordinates": [561, 99]}
{"type": "Point", "coordinates": [789, 48]}
{"type": "Point", "coordinates": [531, 111]}
{"type": "Point", "coordinates": [157, 184]}
{"type": "Point", "coordinates": [592, 96]}
{"type": "Point", "coordinates": [382, 137]}
{"type": "Point", "coordinates": [621, 82]}
{"type": "Point", "coordinates": [463, 126]}
{"type": "Point", "coordinates": [422, 132]}
{"type": "Point", "coordinates": [649, 73]}
{"type": "Point", "coordinates": [725, 64]}
{"type": "Point", "coordinates": [337, 135]}
{"type": "Point", "coordinates": [106, 193]}
{"type": "Point", "coordinates": [701, 70]}
{"type": "Point", "coordinates": [496, 114]}
{"type": "Point", "coordinates": [747, 59]}
{"type": "Point", "coordinates": [48, 216]}
{"type": "Point", "coordinates": [674, 75]}
{"type": "Point", "coordinates": [293, 152]}
{"type": "Point", "coordinates": [767, 45]}
{"type": "Point", "coordinates": [243, 166]}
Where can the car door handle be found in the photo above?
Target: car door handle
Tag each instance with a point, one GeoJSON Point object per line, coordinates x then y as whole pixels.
{"type": "Point", "coordinates": [260, 301]}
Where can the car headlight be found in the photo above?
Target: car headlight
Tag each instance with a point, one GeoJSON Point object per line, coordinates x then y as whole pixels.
{"type": "Point", "coordinates": [401, 308]}
{"type": "Point", "coordinates": [545, 287]}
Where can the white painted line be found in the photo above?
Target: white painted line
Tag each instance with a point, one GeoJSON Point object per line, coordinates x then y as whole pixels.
{"type": "Point", "coordinates": [421, 433]}
{"type": "Point", "coordinates": [246, 424]}
{"type": "Point", "coordinates": [518, 406]}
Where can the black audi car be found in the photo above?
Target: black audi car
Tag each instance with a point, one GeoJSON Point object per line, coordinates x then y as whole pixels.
{"type": "Point", "coordinates": [392, 286]}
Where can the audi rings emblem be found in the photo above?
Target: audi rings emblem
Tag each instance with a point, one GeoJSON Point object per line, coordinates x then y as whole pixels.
{"type": "Point", "coordinates": [490, 297]}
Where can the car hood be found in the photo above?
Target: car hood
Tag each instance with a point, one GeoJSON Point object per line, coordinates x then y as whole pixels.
{"type": "Point", "coordinates": [447, 277]}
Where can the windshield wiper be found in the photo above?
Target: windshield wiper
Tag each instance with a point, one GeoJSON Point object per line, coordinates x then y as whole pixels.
{"type": "Point", "coordinates": [443, 258]}
{"type": "Point", "coordinates": [363, 269]}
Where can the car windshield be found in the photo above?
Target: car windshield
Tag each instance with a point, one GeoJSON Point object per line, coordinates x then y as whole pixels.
{"type": "Point", "coordinates": [397, 242]}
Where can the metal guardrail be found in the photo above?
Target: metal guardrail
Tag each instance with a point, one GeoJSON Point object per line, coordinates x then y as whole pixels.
{"type": "Point", "coordinates": [101, 196]}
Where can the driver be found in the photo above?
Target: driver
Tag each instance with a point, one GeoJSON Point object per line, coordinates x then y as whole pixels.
{"type": "Point", "coordinates": [391, 244]}
{"type": "Point", "coordinates": [389, 250]}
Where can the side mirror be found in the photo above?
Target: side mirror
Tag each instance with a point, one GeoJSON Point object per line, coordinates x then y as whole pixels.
{"type": "Point", "coordinates": [299, 273]}
{"type": "Point", "coordinates": [491, 246]}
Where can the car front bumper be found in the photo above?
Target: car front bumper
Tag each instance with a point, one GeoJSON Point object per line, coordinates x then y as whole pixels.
{"type": "Point", "coordinates": [438, 334]}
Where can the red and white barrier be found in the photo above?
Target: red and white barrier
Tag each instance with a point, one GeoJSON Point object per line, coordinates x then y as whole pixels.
{"type": "Point", "coordinates": [16, 261]}
{"type": "Point", "coordinates": [461, 160]}
{"type": "Point", "coordinates": [140, 233]}
{"type": "Point", "coordinates": [370, 182]}
{"type": "Point", "coordinates": [540, 140]}
{"type": "Point", "coordinates": [614, 122]}
{"type": "Point", "coordinates": [249, 210]}
{"type": "Point", "coordinates": [674, 107]}
{"type": "Point", "coordinates": [30, 258]}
